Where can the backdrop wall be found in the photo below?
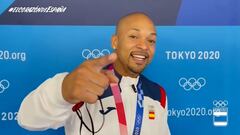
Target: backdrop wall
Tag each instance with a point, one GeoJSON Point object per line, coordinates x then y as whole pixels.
{"type": "Point", "coordinates": [196, 61]}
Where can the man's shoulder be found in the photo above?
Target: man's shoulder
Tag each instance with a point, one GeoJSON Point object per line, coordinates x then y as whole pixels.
{"type": "Point", "coordinates": [150, 83]}
{"type": "Point", "coordinates": [153, 90]}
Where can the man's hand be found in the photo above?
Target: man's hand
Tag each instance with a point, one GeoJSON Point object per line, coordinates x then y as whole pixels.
{"type": "Point", "coordinates": [89, 80]}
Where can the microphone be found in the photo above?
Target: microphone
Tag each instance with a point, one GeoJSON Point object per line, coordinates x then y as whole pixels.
{"type": "Point", "coordinates": [133, 87]}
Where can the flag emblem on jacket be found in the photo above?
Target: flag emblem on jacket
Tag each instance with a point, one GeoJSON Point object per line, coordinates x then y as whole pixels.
{"type": "Point", "coordinates": [151, 112]}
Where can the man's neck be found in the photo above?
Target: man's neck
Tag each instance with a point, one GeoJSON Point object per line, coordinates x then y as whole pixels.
{"type": "Point", "coordinates": [122, 71]}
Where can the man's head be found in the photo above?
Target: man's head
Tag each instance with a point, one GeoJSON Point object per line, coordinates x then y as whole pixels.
{"type": "Point", "coordinates": [134, 43]}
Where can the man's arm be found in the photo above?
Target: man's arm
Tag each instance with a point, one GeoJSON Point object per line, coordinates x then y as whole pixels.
{"type": "Point", "coordinates": [166, 130]}
{"type": "Point", "coordinates": [164, 104]}
{"type": "Point", "coordinates": [45, 107]}
{"type": "Point", "coordinates": [49, 106]}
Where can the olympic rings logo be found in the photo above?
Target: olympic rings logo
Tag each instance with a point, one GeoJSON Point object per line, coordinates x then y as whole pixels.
{"type": "Point", "coordinates": [4, 84]}
{"type": "Point", "coordinates": [220, 103]}
{"type": "Point", "coordinates": [192, 83]}
{"type": "Point", "coordinates": [88, 54]}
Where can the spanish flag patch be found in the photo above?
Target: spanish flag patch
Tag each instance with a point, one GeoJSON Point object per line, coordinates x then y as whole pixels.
{"type": "Point", "coordinates": [151, 115]}
{"type": "Point", "coordinates": [151, 112]}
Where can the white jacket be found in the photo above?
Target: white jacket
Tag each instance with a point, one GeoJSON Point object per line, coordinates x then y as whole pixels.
{"type": "Point", "coordinates": [45, 108]}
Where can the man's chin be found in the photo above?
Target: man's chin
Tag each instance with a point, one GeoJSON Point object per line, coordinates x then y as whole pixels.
{"type": "Point", "coordinates": [136, 70]}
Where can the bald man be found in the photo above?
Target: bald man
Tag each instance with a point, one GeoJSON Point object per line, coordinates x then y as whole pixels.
{"type": "Point", "coordinates": [104, 96]}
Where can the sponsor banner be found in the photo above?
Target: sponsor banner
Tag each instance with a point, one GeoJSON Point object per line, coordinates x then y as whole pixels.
{"type": "Point", "coordinates": [107, 12]}
{"type": "Point", "coordinates": [82, 12]}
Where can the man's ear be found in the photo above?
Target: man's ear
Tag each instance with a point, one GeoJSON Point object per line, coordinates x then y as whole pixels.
{"type": "Point", "coordinates": [114, 42]}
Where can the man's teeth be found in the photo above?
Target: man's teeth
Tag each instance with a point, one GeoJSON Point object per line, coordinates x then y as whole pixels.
{"type": "Point", "coordinates": [139, 56]}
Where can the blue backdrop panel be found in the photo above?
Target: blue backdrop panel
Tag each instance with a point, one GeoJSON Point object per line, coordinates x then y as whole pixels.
{"type": "Point", "coordinates": [198, 67]}
{"type": "Point", "coordinates": [209, 12]}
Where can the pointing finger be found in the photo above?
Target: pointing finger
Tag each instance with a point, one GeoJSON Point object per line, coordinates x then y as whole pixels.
{"type": "Point", "coordinates": [101, 62]}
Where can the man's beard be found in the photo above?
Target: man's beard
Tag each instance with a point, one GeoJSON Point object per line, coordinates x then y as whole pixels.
{"type": "Point", "coordinates": [136, 71]}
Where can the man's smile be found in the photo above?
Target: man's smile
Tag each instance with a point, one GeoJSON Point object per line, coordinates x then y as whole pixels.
{"type": "Point", "coordinates": [139, 57]}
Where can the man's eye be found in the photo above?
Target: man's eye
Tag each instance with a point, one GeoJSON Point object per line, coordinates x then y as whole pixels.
{"type": "Point", "coordinates": [133, 36]}
{"type": "Point", "coordinates": [152, 41]}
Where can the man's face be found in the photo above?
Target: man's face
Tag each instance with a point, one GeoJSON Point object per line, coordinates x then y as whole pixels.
{"type": "Point", "coordinates": [135, 44]}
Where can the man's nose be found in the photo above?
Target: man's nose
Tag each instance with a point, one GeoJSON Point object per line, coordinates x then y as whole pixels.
{"type": "Point", "coordinates": [143, 44]}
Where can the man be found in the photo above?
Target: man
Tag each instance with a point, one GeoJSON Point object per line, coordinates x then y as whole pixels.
{"type": "Point", "coordinates": [100, 109]}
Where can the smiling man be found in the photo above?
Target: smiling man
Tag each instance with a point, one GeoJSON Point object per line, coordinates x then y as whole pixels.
{"type": "Point", "coordinates": [104, 96]}
{"type": "Point", "coordinates": [134, 43]}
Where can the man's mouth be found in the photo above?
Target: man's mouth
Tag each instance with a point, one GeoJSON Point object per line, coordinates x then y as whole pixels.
{"type": "Point", "coordinates": [139, 57]}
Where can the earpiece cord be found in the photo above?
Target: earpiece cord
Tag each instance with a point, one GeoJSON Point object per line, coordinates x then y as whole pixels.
{"type": "Point", "coordinates": [92, 125]}
{"type": "Point", "coordinates": [90, 119]}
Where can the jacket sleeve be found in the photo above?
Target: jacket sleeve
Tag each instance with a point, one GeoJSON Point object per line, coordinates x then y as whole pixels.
{"type": "Point", "coordinates": [164, 103]}
{"type": "Point", "coordinates": [45, 108]}
{"type": "Point", "coordinates": [166, 130]}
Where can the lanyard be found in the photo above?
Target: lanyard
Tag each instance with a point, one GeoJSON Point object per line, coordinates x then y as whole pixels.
{"type": "Point", "coordinates": [139, 110]}
{"type": "Point", "coordinates": [121, 113]}
{"type": "Point", "coordinates": [120, 109]}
